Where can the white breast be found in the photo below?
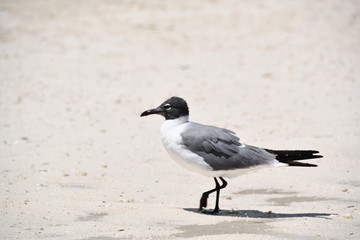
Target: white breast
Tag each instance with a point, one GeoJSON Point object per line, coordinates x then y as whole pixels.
{"type": "Point", "coordinates": [171, 138]}
{"type": "Point", "coordinates": [172, 141]}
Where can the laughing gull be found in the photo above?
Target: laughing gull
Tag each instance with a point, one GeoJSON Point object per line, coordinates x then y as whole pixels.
{"type": "Point", "coordinates": [216, 152]}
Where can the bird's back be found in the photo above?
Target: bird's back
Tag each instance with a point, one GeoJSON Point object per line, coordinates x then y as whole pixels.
{"type": "Point", "coordinates": [221, 148]}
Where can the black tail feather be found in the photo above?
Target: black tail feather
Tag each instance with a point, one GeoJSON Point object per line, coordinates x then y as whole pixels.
{"type": "Point", "coordinates": [292, 156]}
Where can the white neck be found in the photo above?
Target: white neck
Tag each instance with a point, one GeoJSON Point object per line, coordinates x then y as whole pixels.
{"type": "Point", "coordinates": [180, 120]}
{"type": "Point", "coordinates": [173, 123]}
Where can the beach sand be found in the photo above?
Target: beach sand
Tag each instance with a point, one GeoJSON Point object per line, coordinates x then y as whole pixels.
{"type": "Point", "coordinates": [77, 161]}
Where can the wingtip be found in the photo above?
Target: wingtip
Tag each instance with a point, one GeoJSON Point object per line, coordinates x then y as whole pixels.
{"type": "Point", "coordinates": [301, 164]}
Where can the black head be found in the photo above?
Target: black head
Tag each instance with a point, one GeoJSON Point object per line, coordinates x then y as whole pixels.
{"type": "Point", "coordinates": [172, 108]}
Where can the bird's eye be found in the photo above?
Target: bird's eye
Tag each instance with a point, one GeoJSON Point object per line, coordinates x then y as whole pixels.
{"type": "Point", "coordinates": [167, 106]}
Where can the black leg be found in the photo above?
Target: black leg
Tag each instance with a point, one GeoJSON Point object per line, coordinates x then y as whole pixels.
{"type": "Point", "coordinates": [205, 195]}
{"type": "Point", "coordinates": [224, 184]}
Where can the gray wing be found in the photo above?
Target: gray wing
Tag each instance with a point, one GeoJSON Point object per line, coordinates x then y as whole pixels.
{"type": "Point", "coordinates": [221, 148]}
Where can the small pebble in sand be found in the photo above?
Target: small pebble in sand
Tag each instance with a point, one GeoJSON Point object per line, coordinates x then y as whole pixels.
{"type": "Point", "coordinates": [82, 174]}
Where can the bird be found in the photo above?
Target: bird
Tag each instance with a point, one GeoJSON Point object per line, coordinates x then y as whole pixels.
{"type": "Point", "coordinates": [216, 152]}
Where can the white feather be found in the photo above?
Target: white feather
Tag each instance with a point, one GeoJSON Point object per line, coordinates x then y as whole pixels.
{"type": "Point", "coordinates": [171, 138]}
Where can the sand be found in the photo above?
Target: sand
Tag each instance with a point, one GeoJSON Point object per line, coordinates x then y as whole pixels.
{"type": "Point", "coordinates": [77, 161]}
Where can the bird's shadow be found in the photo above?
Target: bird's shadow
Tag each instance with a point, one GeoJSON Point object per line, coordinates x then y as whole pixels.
{"type": "Point", "coordinates": [260, 214]}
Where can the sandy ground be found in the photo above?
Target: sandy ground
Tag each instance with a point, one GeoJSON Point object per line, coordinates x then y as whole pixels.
{"type": "Point", "coordinates": [77, 161]}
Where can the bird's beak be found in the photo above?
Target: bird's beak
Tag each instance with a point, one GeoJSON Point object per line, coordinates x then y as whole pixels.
{"type": "Point", "coordinates": [157, 110]}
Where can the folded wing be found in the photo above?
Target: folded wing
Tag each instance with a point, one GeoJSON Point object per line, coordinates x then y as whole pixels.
{"type": "Point", "coordinates": [221, 148]}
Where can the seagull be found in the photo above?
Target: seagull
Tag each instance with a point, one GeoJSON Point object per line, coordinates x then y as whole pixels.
{"type": "Point", "coordinates": [216, 152]}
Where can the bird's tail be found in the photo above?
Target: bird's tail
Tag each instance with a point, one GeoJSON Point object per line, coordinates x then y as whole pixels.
{"type": "Point", "coordinates": [291, 157]}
